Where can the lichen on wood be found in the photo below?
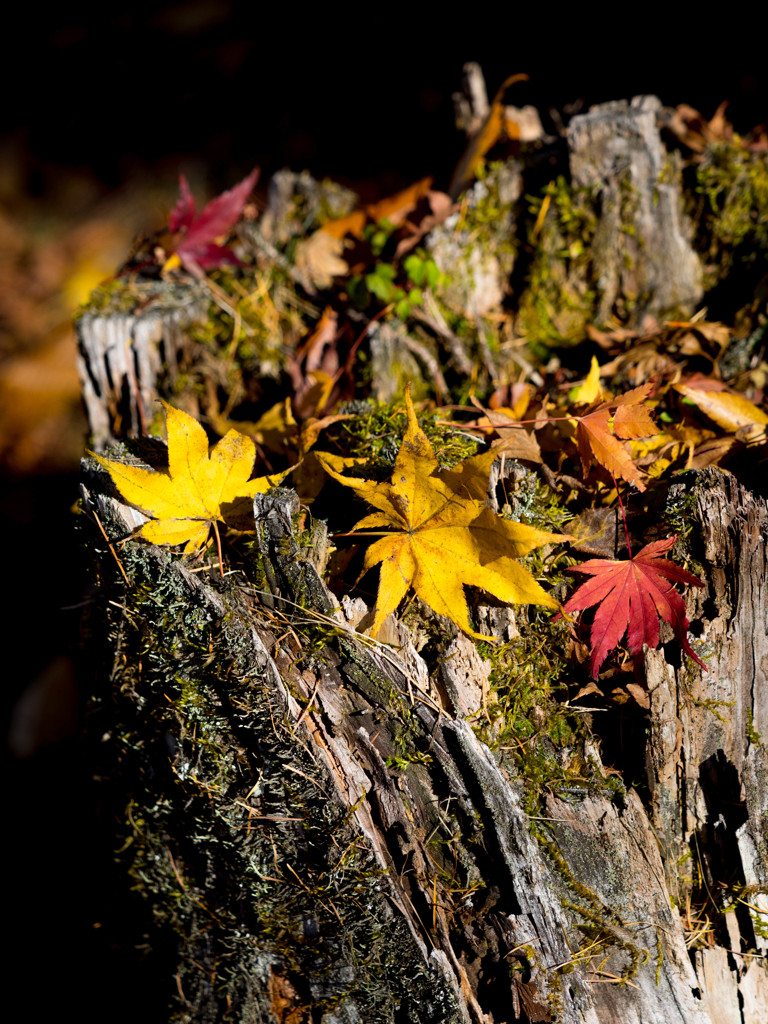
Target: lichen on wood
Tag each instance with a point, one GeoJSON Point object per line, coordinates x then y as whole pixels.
{"type": "Point", "coordinates": [425, 828]}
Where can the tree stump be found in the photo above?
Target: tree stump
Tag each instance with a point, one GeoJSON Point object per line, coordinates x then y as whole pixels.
{"type": "Point", "coordinates": [317, 825]}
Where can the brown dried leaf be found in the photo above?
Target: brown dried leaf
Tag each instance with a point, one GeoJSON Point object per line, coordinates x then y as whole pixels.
{"type": "Point", "coordinates": [515, 441]}
{"type": "Point", "coordinates": [396, 208]}
{"type": "Point", "coordinates": [584, 691]}
{"type": "Point", "coordinates": [712, 452]}
{"type": "Point", "coordinates": [595, 532]}
{"type": "Point", "coordinates": [318, 258]}
{"type": "Point", "coordinates": [518, 445]}
{"type": "Point", "coordinates": [640, 694]}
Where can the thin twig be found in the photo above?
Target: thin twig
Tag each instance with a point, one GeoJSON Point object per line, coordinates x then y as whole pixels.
{"type": "Point", "coordinates": [111, 548]}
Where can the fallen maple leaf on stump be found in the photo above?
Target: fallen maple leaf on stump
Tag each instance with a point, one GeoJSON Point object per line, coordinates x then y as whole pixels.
{"type": "Point", "coordinates": [197, 248]}
{"type": "Point", "coordinates": [597, 440]}
{"type": "Point", "coordinates": [632, 596]}
{"type": "Point", "coordinates": [199, 488]}
{"type": "Point", "coordinates": [446, 538]}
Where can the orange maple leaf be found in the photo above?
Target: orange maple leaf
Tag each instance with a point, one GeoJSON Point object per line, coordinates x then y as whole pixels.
{"type": "Point", "coordinates": [596, 439]}
{"type": "Point", "coordinates": [632, 595]}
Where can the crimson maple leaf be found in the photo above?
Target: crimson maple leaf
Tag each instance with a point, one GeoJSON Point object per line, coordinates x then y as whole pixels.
{"type": "Point", "coordinates": [197, 248]}
{"type": "Point", "coordinates": [632, 595]}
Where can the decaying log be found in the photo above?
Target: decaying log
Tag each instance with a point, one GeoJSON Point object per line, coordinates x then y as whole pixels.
{"type": "Point", "coordinates": [707, 759]}
{"type": "Point", "coordinates": [642, 249]}
{"type": "Point", "coordinates": [314, 820]}
{"type": "Point", "coordinates": [395, 791]}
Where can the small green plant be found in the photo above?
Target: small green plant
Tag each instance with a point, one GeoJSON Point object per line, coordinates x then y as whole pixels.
{"type": "Point", "coordinates": [378, 235]}
{"type": "Point", "coordinates": [386, 282]}
{"type": "Point", "coordinates": [422, 270]}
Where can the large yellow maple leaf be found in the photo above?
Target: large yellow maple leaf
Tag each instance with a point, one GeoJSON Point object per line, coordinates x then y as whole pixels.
{"type": "Point", "coordinates": [444, 538]}
{"type": "Point", "coordinates": [200, 487]}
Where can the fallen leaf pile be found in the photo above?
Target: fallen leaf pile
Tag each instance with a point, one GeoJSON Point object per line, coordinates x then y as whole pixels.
{"type": "Point", "coordinates": [436, 535]}
{"type": "Point", "coordinates": [334, 307]}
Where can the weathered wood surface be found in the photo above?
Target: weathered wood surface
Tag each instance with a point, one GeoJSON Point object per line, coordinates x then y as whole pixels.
{"type": "Point", "coordinates": [123, 358]}
{"type": "Point", "coordinates": [707, 758]}
{"type": "Point", "coordinates": [514, 943]}
{"type": "Point", "coordinates": [642, 251]}
{"type": "Point", "coordinates": [316, 827]}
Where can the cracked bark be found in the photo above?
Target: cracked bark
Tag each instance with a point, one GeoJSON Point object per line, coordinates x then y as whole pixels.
{"type": "Point", "coordinates": [316, 830]}
{"type": "Point", "coordinates": [514, 947]}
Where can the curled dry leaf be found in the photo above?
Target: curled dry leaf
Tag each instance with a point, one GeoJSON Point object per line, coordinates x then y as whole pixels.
{"type": "Point", "coordinates": [515, 441]}
{"type": "Point", "coordinates": [484, 138]}
{"type": "Point", "coordinates": [585, 691]}
{"type": "Point", "coordinates": [640, 694]}
{"type": "Point", "coordinates": [732, 412]}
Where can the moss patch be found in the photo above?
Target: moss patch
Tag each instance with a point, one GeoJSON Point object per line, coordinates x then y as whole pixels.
{"type": "Point", "coordinates": [559, 299]}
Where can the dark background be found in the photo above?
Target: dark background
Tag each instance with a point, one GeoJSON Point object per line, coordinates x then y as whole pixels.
{"type": "Point", "coordinates": [352, 92]}
{"type": "Point", "coordinates": [106, 96]}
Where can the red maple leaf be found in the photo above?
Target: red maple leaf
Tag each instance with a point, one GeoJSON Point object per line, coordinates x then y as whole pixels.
{"type": "Point", "coordinates": [197, 248]}
{"type": "Point", "coordinates": [632, 595]}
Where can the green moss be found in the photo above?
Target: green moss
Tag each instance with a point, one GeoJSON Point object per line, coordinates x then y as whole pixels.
{"type": "Point", "coordinates": [744, 895]}
{"type": "Point", "coordinates": [733, 226]}
{"type": "Point", "coordinates": [314, 203]}
{"type": "Point", "coordinates": [377, 432]}
{"type": "Point", "coordinates": [602, 938]}
{"type": "Point", "coordinates": [558, 301]}
{"type": "Point", "coordinates": [680, 507]}
{"type": "Point", "coordinates": [535, 504]}
{"type": "Point", "coordinates": [120, 296]}
{"type": "Point", "coordinates": [604, 931]}
{"type": "Point", "coordinates": [523, 719]}
{"type": "Point", "coordinates": [752, 734]}
{"type": "Point", "coordinates": [630, 243]}
{"type": "Point", "coordinates": [228, 845]}
{"type": "Point", "coordinates": [406, 736]}
{"type": "Point", "coordinates": [251, 335]}
{"type": "Point", "coordinates": [489, 217]}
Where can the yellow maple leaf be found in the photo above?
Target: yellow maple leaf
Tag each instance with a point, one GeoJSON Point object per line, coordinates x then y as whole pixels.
{"type": "Point", "coordinates": [445, 537]}
{"type": "Point", "coordinates": [200, 487]}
